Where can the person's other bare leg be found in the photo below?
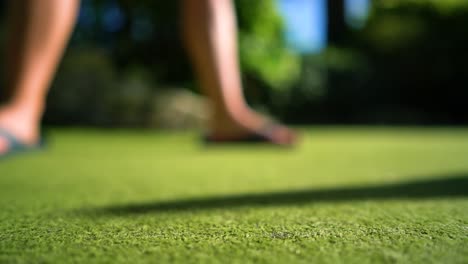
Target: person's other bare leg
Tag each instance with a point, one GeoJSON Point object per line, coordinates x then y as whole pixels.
{"type": "Point", "coordinates": [211, 34]}
{"type": "Point", "coordinates": [38, 33]}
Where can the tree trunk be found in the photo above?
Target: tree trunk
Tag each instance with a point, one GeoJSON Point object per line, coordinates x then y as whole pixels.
{"type": "Point", "coordinates": [336, 22]}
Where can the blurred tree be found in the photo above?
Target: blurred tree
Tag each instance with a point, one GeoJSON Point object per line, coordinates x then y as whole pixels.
{"type": "Point", "coordinates": [263, 49]}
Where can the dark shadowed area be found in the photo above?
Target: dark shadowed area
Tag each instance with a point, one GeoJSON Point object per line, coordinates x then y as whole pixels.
{"type": "Point", "coordinates": [452, 186]}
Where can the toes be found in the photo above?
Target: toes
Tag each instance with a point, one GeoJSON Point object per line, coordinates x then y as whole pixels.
{"type": "Point", "coordinates": [284, 136]}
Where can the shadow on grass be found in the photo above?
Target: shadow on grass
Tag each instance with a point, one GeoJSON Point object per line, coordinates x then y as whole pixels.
{"type": "Point", "coordinates": [453, 186]}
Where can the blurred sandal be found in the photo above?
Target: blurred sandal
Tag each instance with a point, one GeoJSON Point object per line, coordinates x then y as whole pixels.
{"type": "Point", "coordinates": [271, 133]}
{"type": "Point", "coordinates": [15, 146]}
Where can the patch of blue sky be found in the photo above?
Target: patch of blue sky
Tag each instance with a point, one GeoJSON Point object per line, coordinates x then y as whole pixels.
{"type": "Point", "coordinates": [306, 24]}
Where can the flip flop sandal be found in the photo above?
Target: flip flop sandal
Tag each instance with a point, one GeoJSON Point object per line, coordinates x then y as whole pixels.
{"type": "Point", "coordinates": [265, 136]}
{"type": "Point", "coordinates": [15, 146]}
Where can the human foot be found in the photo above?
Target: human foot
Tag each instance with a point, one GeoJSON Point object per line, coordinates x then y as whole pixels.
{"type": "Point", "coordinates": [18, 130]}
{"type": "Point", "coordinates": [249, 127]}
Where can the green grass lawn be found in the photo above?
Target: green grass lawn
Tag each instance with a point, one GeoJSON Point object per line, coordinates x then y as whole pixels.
{"type": "Point", "coordinates": [345, 195]}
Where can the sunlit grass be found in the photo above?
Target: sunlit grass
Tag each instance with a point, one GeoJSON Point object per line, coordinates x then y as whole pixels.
{"type": "Point", "coordinates": [361, 195]}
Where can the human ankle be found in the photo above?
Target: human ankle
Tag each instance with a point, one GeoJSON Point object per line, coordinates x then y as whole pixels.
{"type": "Point", "coordinates": [20, 123]}
{"type": "Point", "coordinates": [30, 113]}
{"type": "Point", "coordinates": [225, 125]}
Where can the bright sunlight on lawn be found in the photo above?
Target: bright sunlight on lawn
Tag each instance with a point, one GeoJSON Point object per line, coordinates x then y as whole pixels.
{"type": "Point", "coordinates": [353, 195]}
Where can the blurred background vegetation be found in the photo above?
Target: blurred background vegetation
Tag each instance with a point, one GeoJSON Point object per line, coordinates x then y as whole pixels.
{"type": "Point", "coordinates": [398, 62]}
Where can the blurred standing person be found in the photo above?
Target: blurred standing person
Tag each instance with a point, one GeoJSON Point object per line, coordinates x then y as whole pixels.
{"type": "Point", "coordinates": [39, 31]}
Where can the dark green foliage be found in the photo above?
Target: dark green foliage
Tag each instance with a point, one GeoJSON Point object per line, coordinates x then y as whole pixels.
{"type": "Point", "coordinates": [98, 95]}
{"type": "Point", "coordinates": [406, 66]}
{"type": "Point", "coordinates": [262, 48]}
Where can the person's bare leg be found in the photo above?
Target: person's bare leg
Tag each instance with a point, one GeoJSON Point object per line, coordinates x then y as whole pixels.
{"type": "Point", "coordinates": [38, 33]}
{"type": "Point", "coordinates": [211, 34]}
